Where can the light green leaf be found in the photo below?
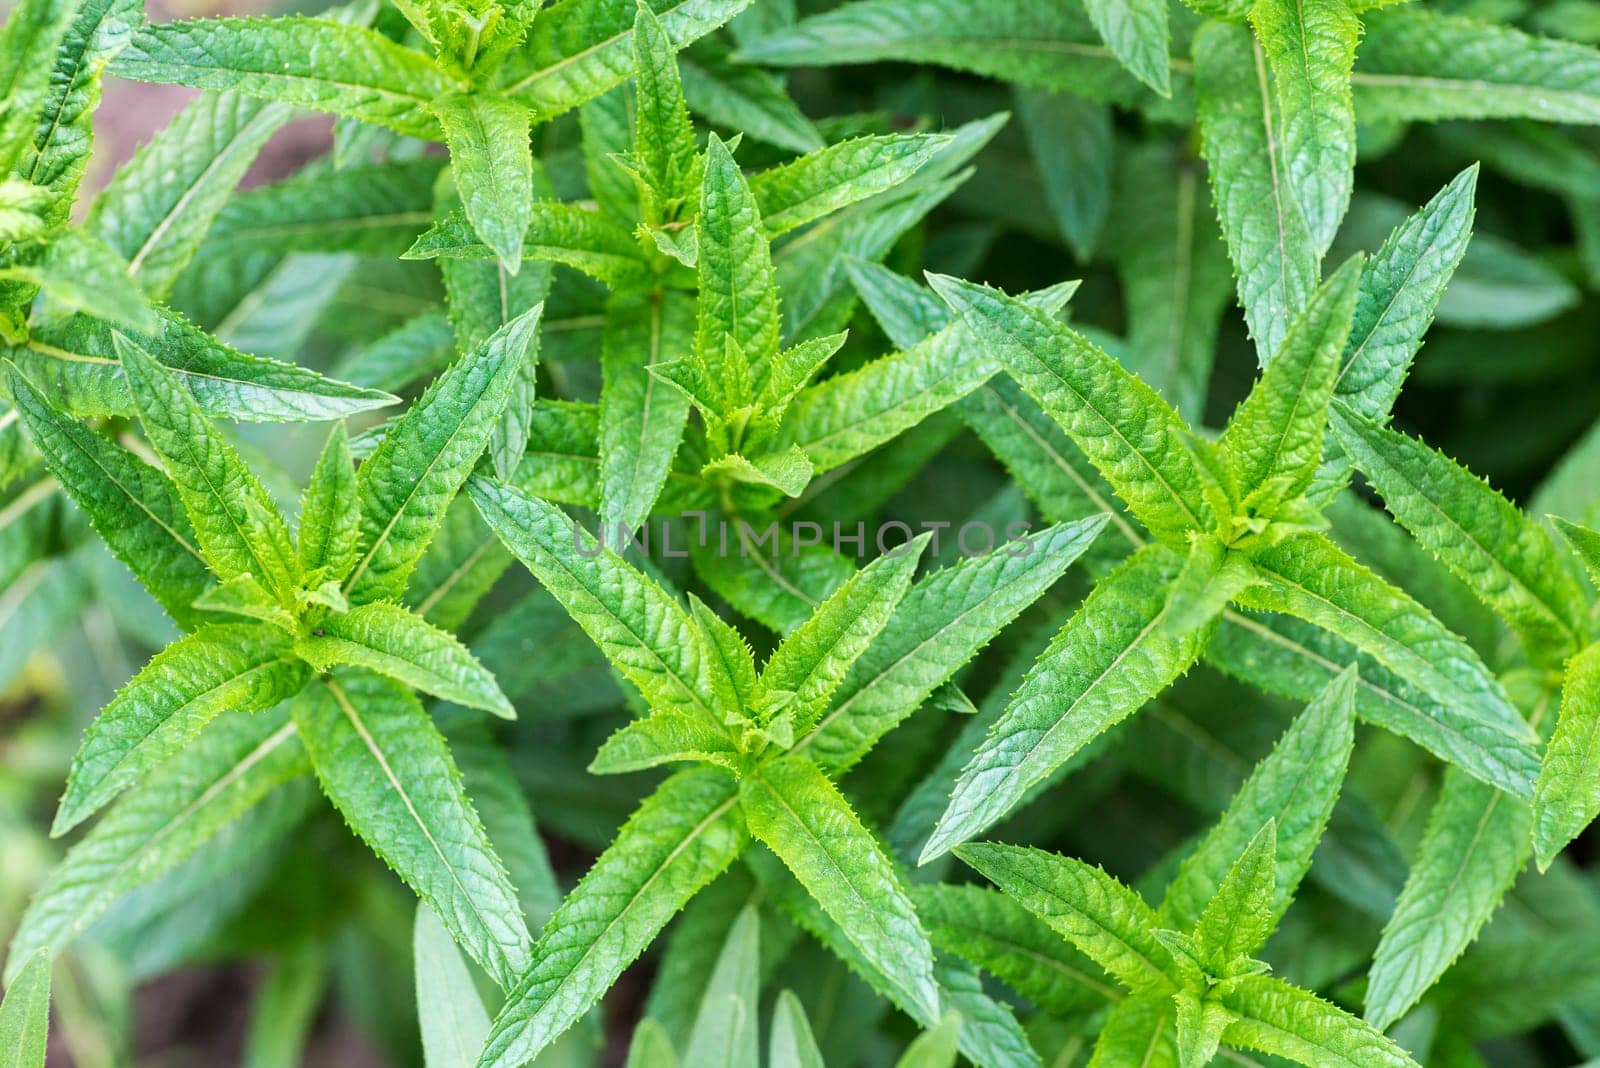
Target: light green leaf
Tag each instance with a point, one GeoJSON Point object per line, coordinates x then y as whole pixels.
{"type": "Point", "coordinates": [25, 1013]}
{"type": "Point", "coordinates": [662, 738]}
{"type": "Point", "coordinates": [329, 538]}
{"type": "Point", "coordinates": [682, 837]}
{"type": "Point", "coordinates": [1133, 437]}
{"type": "Point", "coordinates": [1505, 558]}
{"type": "Point", "coordinates": [80, 274]}
{"type": "Point", "coordinates": [644, 632]}
{"type": "Point", "coordinates": [1284, 1021]}
{"type": "Point", "coordinates": [821, 182]}
{"type": "Point", "coordinates": [1310, 48]}
{"type": "Point", "coordinates": [1136, 31]}
{"type": "Point", "coordinates": [1584, 542]}
{"type": "Point", "coordinates": [1240, 915]}
{"type": "Point", "coordinates": [1567, 797]}
{"type": "Point", "coordinates": [788, 472]}
{"type": "Point", "coordinates": [801, 816]}
{"type": "Point", "coordinates": [558, 232]}
{"type": "Point", "coordinates": [132, 505]}
{"type": "Point", "coordinates": [1110, 658]}
{"type": "Point", "coordinates": [940, 624]}
{"type": "Point", "coordinates": [398, 643]}
{"type": "Point", "coordinates": [492, 163]}
{"type": "Point", "coordinates": [452, 1018]}
{"type": "Point", "coordinates": [236, 522]}
{"type": "Point", "coordinates": [1108, 922]}
{"type": "Point", "coordinates": [651, 1047]}
{"type": "Point", "coordinates": [792, 1044]}
{"type": "Point", "coordinates": [427, 454]}
{"type": "Point", "coordinates": [936, 1048]}
{"type": "Point", "coordinates": [312, 63]}
{"type": "Point", "coordinates": [386, 768]}
{"type": "Point", "coordinates": [28, 43]}
{"type": "Point", "coordinates": [1268, 238]}
{"type": "Point", "coordinates": [226, 772]}
{"type": "Point", "coordinates": [1279, 792]}
{"type": "Point", "coordinates": [813, 660]}
{"type": "Point", "coordinates": [725, 1033]}
{"type": "Point", "coordinates": [738, 301]}
{"type": "Point", "coordinates": [664, 141]}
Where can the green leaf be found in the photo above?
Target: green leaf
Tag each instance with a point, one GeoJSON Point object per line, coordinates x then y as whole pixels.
{"type": "Point", "coordinates": [1108, 922]}
{"type": "Point", "coordinates": [28, 42]}
{"type": "Point", "coordinates": [226, 772]}
{"type": "Point", "coordinates": [1268, 237]}
{"type": "Point", "coordinates": [1278, 792]}
{"type": "Point", "coordinates": [940, 624]}
{"type": "Point", "coordinates": [235, 521]}
{"type": "Point", "coordinates": [1476, 843]}
{"type": "Point", "coordinates": [1505, 558]}
{"type": "Point", "coordinates": [682, 837]}
{"type": "Point", "coordinates": [453, 1021]}
{"type": "Point", "coordinates": [427, 454]}
{"type": "Point", "coordinates": [1310, 48]}
{"type": "Point", "coordinates": [800, 815]}
{"type": "Point", "coordinates": [398, 643]}
{"type": "Point", "coordinates": [1283, 1021]}
{"type": "Point", "coordinates": [1567, 796]}
{"type": "Point", "coordinates": [651, 1047]}
{"type": "Point", "coordinates": [386, 768]}
{"type": "Point", "coordinates": [132, 505]}
{"type": "Point", "coordinates": [1419, 64]}
{"type": "Point", "coordinates": [936, 1048]}
{"type": "Point", "coordinates": [641, 417]}
{"type": "Point", "coordinates": [492, 163]}
{"type": "Point", "coordinates": [162, 708]}
{"type": "Point", "coordinates": [312, 63]}
{"type": "Point", "coordinates": [1138, 35]}
{"type": "Point", "coordinates": [1240, 915]}
{"type": "Point", "coordinates": [813, 660]}
{"type": "Point", "coordinates": [80, 274]}
{"type": "Point", "coordinates": [1273, 442]}
{"type": "Point", "coordinates": [640, 628]}
{"type": "Point", "coordinates": [1073, 152]}
{"type": "Point", "coordinates": [569, 234]}
{"type": "Point", "coordinates": [1307, 576]}
{"type": "Point", "coordinates": [25, 1013]}
{"type": "Point", "coordinates": [1133, 437]}
{"type": "Point", "coordinates": [329, 538]}
{"type": "Point", "coordinates": [662, 738]}
{"type": "Point", "coordinates": [664, 142]}
{"type": "Point", "coordinates": [579, 49]}
{"type": "Point", "coordinates": [155, 212]}
{"type": "Point", "coordinates": [725, 1027]}
{"type": "Point", "coordinates": [1110, 658]}
{"type": "Point", "coordinates": [788, 472]}
{"type": "Point", "coordinates": [1584, 542]}
{"type": "Point", "coordinates": [792, 1044]}
{"type": "Point", "coordinates": [821, 182]}
{"type": "Point", "coordinates": [738, 295]}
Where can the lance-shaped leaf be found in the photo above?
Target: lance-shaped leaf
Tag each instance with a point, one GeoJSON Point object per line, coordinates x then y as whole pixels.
{"type": "Point", "coordinates": [579, 49]}
{"type": "Point", "coordinates": [387, 769]}
{"type": "Point", "coordinates": [1285, 1021]}
{"type": "Point", "coordinates": [76, 362]}
{"type": "Point", "coordinates": [792, 1045]}
{"type": "Point", "coordinates": [1476, 843]}
{"type": "Point", "coordinates": [1420, 64]}
{"type": "Point", "coordinates": [224, 773]}
{"type": "Point", "coordinates": [1308, 576]}
{"type": "Point", "coordinates": [492, 163]}
{"type": "Point", "coordinates": [641, 417]}
{"type": "Point", "coordinates": [1584, 542]}
{"type": "Point", "coordinates": [725, 1027]}
{"type": "Point", "coordinates": [449, 1011]}
{"type": "Point", "coordinates": [820, 183]}
{"type": "Point", "coordinates": [133, 506]}
{"type": "Point", "coordinates": [1310, 48]}
{"type": "Point", "coordinates": [664, 144]}
{"type": "Point", "coordinates": [643, 632]}
{"type": "Point", "coordinates": [1111, 657]}
{"type": "Point", "coordinates": [1280, 792]}
{"type": "Point", "coordinates": [813, 659]}
{"type": "Point", "coordinates": [309, 62]}
{"type": "Point", "coordinates": [156, 211]}
{"type": "Point", "coordinates": [738, 293]}
{"type": "Point", "coordinates": [682, 837]}
{"type": "Point", "coordinates": [1567, 797]}
{"type": "Point", "coordinates": [424, 458]}
{"type": "Point", "coordinates": [1109, 923]}
{"type": "Point", "coordinates": [940, 624]}
{"type": "Point", "coordinates": [558, 232]}
{"type": "Point", "coordinates": [1240, 915]}
{"type": "Point", "coordinates": [169, 702]}
{"type": "Point", "coordinates": [398, 643]}
{"type": "Point", "coordinates": [1268, 238]}
{"type": "Point", "coordinates": [1139, 1031]}
{"type": "Point", "coordinates": [664, 738]}
{"type": "Point", "coordinates": [1137, 32]}
{"type": "Point", "coordinates": [1504, 557]}
{"type": "Point", "coordinates": [1399, 290]}
{"type": "Point", "coordinates": [996, 933]}
{"type": "Point", "coordinates": [235, 521]}
{"type": "Point", "coordinates": [28, 43]}
{"type": "Point", "coordinates": [1273, 443]}
{"type": "Point", "coordinates": [1132, 436]}
{"type": "Point", "coordinates": [801, 816]}
{"type": "Point", "coordinates": [25, 1013]}
{"type": "Point", "coordinates": [80, 274]}
{"type": "Point", "coordinates": [329, 538]}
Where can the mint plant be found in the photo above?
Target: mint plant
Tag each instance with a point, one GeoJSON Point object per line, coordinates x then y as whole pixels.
{"type": "Point", "coordinates": [1002, 580]}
